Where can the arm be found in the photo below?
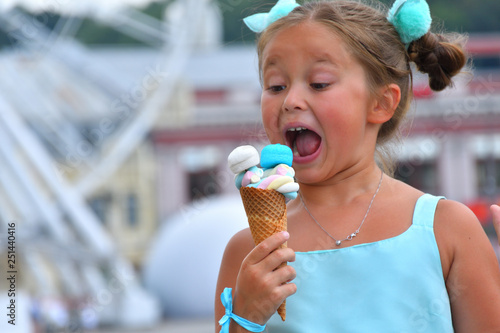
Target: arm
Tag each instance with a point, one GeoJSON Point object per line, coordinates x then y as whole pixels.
{"type": "Point", "coordinates": [495, 212]}
{"type": "Point", "coordinates": [258, 287]}
{"type": "Point", "coordinates": [471, 269]}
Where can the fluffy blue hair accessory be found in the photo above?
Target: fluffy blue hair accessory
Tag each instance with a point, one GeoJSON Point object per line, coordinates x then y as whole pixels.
{"type": "Point", "coordinates": [259, 22]}
{"type": "Point", "coordinates": [411, 18]}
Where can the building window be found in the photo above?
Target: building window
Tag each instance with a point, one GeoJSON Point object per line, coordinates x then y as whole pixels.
{"type": "Point", "coordinates": [488, 175]}
{"type": "Point", "coordinates": [100, 205]}
{"type": "Point", "coordinates": [210, 96]}
{"type": "Point", "coordinates": [132, 210]}
{"type": "Point", "coordinates": [422, 176]}
{"type": "Point", "coordinates": [202, 184]}
{"type": "Point", "coordinates": [486, 62]}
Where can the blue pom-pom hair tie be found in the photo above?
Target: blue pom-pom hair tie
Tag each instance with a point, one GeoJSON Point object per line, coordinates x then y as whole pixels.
{"type": "Point", "coordinates": [411, 18]}
{"type": "Point", "coordinates": [259, 22]}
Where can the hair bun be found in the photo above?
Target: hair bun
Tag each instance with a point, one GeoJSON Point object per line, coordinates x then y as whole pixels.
{"type": "Point", "coordinates": [440, 57]}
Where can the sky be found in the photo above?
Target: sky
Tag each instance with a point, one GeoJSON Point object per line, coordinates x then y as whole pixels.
{"type": "Point", "coordinates": [71, 7]}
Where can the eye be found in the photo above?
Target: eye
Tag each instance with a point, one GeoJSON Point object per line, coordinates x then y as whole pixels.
{"type": "Point", "coordinates": [276, 89]}
{"type": "Point", "coordinates": [319, 86]}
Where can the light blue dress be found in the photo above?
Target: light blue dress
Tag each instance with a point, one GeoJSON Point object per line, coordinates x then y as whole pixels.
{"type": "Point", "coordinates": [392, 286]}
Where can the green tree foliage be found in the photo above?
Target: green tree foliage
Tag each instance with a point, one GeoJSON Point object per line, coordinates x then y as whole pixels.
{"type": "Point", "coordinates": [233, 12]}
{"type": "Point", "coordinates": [92, 32]}
{"type": "Point", "coordinates": [469, 16]}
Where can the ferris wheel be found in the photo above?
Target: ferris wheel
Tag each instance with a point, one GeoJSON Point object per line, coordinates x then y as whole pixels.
{"type": "Point", "coordinates": [56, 226]}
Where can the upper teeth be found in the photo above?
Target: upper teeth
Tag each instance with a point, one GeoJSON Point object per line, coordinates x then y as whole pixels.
{"type": "Point", "coordinates": [297, 129]}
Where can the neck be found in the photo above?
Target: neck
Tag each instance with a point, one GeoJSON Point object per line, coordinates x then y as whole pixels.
{"type": "Point", "coordinates": [343, 188]}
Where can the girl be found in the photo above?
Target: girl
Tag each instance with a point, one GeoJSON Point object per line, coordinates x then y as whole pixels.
{"type": "Point", "coordinates": [366, 253]}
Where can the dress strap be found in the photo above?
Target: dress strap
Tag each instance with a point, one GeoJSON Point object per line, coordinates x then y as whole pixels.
{"type": "Point", "coordinates": [425, 209]}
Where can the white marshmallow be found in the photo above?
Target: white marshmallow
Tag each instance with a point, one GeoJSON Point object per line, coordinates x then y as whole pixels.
{"type": "Point", "coordinates": [289, 187]}
{"type": "Point", "coordinates": [243, 158]}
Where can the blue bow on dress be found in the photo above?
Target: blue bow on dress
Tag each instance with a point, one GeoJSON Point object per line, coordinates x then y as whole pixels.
{"type": "Point", "coordinates": [259, 22]}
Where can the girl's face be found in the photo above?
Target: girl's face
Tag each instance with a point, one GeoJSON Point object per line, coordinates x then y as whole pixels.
{"type": "Point", "coordinates": [316, 100]}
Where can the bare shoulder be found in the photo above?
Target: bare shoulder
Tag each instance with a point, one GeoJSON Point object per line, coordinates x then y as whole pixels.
{"type": "Point", "coordinates": [470, 268]}
{"type": "Point", "coordinates": [456, 215]}
{"type": "Point", "coordinates": [458, 229]}
{"type": "Point", "coordinates": [400, 197]}
{"type": "Point", "coordinates": [399, 190]}
{"type": "Point", "coordinates": [239, 246]}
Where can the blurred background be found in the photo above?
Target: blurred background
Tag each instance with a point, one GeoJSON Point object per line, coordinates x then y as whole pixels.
{"type": "Point", "coordinates": [116, 118]}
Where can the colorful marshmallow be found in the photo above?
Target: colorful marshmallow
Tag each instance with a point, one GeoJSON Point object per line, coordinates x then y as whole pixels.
{"type": "Point", "coordinates": [243, 158]}
{"type": "Point", "coordinates": [273, 155]}
{"type": "Point", "coordinates": [276, 172]}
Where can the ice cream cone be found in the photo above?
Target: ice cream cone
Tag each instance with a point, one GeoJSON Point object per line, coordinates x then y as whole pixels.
{"type": "Point", "coordinates": [266, 213]}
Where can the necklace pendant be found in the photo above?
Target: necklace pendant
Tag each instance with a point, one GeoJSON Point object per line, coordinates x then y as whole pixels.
{"type": "Point", "coordinates": [351, 236]}
{"type": "Point", "coordinates": [355, 233]}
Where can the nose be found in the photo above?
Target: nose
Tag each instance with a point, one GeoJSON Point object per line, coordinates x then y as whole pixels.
{"type": "Point", "coordinates": [295, 99]}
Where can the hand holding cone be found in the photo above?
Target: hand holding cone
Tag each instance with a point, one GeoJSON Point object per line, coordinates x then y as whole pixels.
{"type": "Point", "coordinates": [265, 191]}
{"type": "Point", "coordinates": [266, 213]}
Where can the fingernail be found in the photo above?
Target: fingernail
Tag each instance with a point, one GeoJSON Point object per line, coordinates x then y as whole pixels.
{"type": "Point", "coordinates": [286, 234]}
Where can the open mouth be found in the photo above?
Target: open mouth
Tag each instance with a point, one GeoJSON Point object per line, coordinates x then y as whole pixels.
{"type": "Point", "coordinates": [302, 141]}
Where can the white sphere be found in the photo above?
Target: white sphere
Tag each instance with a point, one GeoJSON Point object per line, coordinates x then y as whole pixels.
{"type": "Point", "coordinates": [243, 158]}
{"type": "Point", "coordinates": [183, 263]}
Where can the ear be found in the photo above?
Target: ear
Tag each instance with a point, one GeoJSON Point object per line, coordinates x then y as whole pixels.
{"type": "Point", "coordinates": [385, 104]}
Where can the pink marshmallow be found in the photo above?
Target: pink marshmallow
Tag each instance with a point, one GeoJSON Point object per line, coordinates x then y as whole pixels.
{"type": "Point", "coordinates": [281, 170]}
{"type": "Point", "coordinates": [247, 178]}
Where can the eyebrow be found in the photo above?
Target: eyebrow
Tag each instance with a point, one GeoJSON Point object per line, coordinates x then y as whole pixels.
{"type": "Point", "coordinates": [320, 59]}
{"type": "Point", "coordinates": [325, 58]}
{"type": "Point", "coordinates": [268, 63]}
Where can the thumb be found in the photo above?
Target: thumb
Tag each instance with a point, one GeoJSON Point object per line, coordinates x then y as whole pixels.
{"type": "Point", "coordinates": [495, 212]}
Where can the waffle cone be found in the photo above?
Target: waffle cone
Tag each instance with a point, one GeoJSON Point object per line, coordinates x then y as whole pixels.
{"type": "Point", "coordinates": [266, 213]}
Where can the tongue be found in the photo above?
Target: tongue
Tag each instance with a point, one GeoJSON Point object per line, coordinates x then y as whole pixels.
{"type": "Point", "coordinates": [307, 142]}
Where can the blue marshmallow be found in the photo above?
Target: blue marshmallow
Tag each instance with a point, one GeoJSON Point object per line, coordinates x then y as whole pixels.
{"type": "Point", "coordinates": [238, 178]}
{"type": "Point", "coordinates": [290, 195]}
{"type": "Point", "coordinates": [273, 155]}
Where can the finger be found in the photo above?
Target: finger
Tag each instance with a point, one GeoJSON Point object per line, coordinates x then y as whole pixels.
{"type": "Point", "coordinates": [280, 276]}
{"type": "Point", "coordinates": [267, 246]}
{"type": "Point", "coordinates": [278, 257]}
{"type": "Point", "coordinates": [495, 212]}
{"type": "Point", "coordinates": [282, 292]}
{"type": "Point", "coordinates": [284, 274]}
{"type": "Point", "coordinates": [289, 289]}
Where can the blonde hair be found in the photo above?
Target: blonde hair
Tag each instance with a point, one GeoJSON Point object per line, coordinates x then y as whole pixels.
{"type": "Point", "coordinates": [375, 43]}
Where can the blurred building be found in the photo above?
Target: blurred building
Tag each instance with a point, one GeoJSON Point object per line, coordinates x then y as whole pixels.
{"type": "Point", "coordinates": [126, 204]}
{"type": "Point", "coordinates": [223, 112]}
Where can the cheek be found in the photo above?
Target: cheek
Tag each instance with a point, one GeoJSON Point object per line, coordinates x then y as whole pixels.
{"type": "Point", "coordinates": [270, 117]}
{"type": "Point", "coordinates": [342, 121]}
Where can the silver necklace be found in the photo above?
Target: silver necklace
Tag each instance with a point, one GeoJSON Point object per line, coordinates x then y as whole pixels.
{"type": "Point", "coordinates": [338, 242]}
